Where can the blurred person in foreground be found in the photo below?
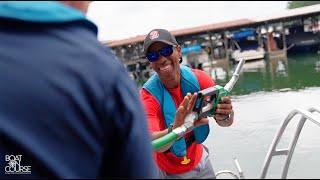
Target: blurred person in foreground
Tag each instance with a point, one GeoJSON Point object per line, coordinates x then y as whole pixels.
{"type": "Point", "coordinates": [68, 108]}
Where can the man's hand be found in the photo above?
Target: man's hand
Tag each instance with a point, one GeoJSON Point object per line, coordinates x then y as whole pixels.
{"type": "Point", "coordinates": [224, 112]}
{"type": "Point", "coordinates": [184, 109]}
{"type": "Point", "coordinates": [223, 116]}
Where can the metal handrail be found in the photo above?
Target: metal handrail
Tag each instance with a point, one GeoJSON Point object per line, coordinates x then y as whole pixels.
{"type": "Point", "coordinates": [305, 115]}
{"type": "Point", "coordinates": [227, 172]}
{"type": "Point", "coordinates": [241, 175]}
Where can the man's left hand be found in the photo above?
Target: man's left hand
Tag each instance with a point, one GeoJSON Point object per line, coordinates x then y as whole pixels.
{"type": "Point", "coordinates": [224, 112]}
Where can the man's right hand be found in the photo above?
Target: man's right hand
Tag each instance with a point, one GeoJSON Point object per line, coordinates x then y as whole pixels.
{"type": "Point", "coordinates": [184, 109]}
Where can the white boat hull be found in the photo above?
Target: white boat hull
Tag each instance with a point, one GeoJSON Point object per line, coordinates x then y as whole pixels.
{"type": "Point", "coordinates": [248, 54]}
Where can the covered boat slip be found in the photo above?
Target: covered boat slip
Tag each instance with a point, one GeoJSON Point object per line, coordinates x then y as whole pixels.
{"type": "Point", "coordinates": [303, 37]}
{"type": "Point", "coordinates": [245, 45]}
{"type": "Point", "coordinates": [203, 46]}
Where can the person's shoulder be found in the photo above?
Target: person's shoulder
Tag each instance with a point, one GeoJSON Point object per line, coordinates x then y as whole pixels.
{"type": "Point", "coordinates": [112, 67]}
{"type": "Point", "coordinates": [103, 61]}
{"type": "Point", "coordinates": [90, 50]}
{"type": "Point", "coordinates": [87, 55]}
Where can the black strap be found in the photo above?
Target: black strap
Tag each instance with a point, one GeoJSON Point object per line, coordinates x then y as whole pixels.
{"type": "Point", "coordinates": [189, 142]}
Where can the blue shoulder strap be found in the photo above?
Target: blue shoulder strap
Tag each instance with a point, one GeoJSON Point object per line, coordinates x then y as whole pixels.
{"type": "Point", "coordinates": [157, 89]}
{"type": "Point", "coordinates": [189, 83]}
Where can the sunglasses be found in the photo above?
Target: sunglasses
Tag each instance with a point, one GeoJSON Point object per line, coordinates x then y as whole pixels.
{"type": "Point", "coordinates": [166, 51]}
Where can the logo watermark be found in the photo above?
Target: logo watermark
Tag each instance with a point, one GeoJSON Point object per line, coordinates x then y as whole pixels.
{"type": "Point", "coordinates": [15, 166]}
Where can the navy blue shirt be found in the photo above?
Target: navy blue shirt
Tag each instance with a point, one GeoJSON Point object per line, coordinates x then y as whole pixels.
{"type": "Point", "coordinates": [67, 105]}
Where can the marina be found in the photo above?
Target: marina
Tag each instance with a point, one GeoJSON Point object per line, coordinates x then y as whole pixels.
{"type": "Point", "coordinates": [265, 94]}
{"type": "Point", "coordinates": [257, 38]}
{"type": "Point", "coordinates": [280, 78]}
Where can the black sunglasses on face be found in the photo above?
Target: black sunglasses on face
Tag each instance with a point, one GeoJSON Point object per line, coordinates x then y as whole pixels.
{"type": "Point", "coordinates": [166, 51]}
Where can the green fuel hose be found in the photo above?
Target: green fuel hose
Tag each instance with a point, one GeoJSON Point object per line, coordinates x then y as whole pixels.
{"type": "Point", "coordinates": [164, 140]}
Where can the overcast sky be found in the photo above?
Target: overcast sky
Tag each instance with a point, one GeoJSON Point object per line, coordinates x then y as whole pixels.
{"type": "Point", "coordinates": [124, 19]}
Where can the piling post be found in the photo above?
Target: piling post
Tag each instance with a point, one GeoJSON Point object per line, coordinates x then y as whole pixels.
{"type": "Point", "coordinates": [225, 42]}
{"type": "Point", "coordinates": [211, 52]}
{"type": "Point", "coordinates": [284, 40]}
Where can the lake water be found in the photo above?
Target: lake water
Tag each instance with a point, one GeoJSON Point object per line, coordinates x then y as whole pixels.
{"type": "Point", "coordinates": [265, 94]}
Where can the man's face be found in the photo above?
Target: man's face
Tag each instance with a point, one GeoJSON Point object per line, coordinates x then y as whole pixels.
{"type": "Point", "coordinates": [168, 68]}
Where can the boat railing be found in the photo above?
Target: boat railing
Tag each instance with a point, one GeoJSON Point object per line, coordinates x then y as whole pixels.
{"type": "Point", "coordinates": [309, 115]}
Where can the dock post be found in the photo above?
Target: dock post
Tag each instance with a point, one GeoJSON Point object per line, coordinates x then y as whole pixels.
{"type": "Point", "coordinates": [225, 42]}
{"type": "Point", "coordinates": [268, 42]}
{"type": "Point", "coordinates": [260, 42]}
{"type": "Point", "coordinates": [211, 54]}
{"type": "Point", "coordinates": [284, 41]}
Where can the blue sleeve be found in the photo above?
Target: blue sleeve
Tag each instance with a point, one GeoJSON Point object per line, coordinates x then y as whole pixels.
{"type": "Point", "coordinates": [129, 153]}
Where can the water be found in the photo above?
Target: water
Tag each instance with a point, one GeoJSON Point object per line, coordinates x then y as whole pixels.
{"type": "Point", "coordinates": [264, 95]}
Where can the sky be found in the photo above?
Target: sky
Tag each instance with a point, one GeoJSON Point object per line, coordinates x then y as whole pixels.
{"type": "Point", "coordinates": [124, 19]}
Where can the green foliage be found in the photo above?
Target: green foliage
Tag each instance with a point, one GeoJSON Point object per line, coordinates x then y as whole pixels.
{"type": "Point", "coordinates": [297, 4]}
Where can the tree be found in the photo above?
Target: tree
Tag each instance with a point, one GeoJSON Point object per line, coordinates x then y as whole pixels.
{"type": "Point", "coordinates": [297, 4]}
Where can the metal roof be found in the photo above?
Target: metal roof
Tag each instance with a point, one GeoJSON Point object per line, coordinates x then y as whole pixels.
{"type": "Point", "coordinates": [307, 10]}
{"type": "Point", "coordinates": [186, 31]}
{"type": "Point", "coordinates": [314, 9]}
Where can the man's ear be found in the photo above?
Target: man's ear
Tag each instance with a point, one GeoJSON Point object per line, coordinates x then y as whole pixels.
{"type": "Point", "coordinates": [179, 49]}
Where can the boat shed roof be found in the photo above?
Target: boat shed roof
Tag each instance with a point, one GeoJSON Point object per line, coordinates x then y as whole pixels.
{"type": "Point", "coordinates": [186, 31]}
{"type": "Point", "coordinates": [308, 10]}
{"type": "Point", "coordinates": [290, 13]}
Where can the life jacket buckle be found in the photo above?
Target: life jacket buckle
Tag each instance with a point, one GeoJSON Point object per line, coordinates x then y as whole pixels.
{"type": "Point", "coordinates": [185, 160]}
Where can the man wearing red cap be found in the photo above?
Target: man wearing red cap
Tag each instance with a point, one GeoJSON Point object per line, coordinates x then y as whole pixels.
{"type": "Point", "coordinates": [167, 99]}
